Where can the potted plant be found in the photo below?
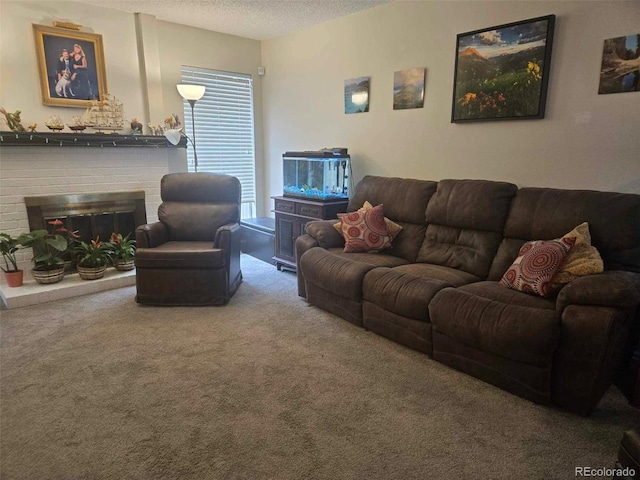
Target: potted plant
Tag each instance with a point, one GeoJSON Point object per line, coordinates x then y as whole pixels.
{"type": "Point", "coordinates": [124, 250]}
{"type": "Point", "coordinates": [47, 255]}
{"type": "Point", "coordinates": [93, 258]}
{"type": "Point", "coordinates": [8, 247]}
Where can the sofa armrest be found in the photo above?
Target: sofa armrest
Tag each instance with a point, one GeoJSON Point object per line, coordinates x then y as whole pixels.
{"type": "Point", "coordinates": [613, 288]}
{"type": "Point", "coordinates": [324, 233]}
{"type": "Point", "coordinates": [228, 239]}
{"type": "Point", "coordinates": [303, 243]}
{"type": "Point", "coordinates": [226, 235]}
{"type": "Point", "coordinates": [151, 235]}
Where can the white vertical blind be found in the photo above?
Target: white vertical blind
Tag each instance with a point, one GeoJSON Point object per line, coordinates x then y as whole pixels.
{"type": "Point", "coordinates": [224, 128]}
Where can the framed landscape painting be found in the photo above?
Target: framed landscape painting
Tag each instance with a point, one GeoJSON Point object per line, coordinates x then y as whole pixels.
{"type": "Point", "coordinates": [502, 72]}
{"type": "Point", "coordinates": [408, 88]}
{"type": "Point", "coordinates": [620, 70]}
{"type": "Point", "coordinates": [356, 95]}
{"type": "Point", "coordinates": [71, 66]}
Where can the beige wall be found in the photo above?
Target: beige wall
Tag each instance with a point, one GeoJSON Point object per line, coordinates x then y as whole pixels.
{"type": "Point", "coordinates": [218, 51]}
{"type": "Point", "coordinates": [586, 140]}
{"type": "Point", "coordinates": [143, 58]}
{"type": "Point", "coordinates": [19, 87]}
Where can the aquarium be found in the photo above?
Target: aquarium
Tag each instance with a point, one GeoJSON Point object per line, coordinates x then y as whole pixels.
{"type": "Point", "coordinates": [322, 175]}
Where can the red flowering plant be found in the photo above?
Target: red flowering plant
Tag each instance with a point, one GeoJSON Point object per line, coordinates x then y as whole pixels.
{"type": "Point", "coordinates": [49, 246]}
{"type": "Point", "coordinates": [94, 254]}
{"type": "Point", "coordinates": [123, 248]}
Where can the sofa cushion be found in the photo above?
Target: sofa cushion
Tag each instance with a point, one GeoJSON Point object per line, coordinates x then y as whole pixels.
{"type": "Point", "coordinates": [401, 293]}
{"type": "Point", "coordinates": [373, 259]}
{"type": "Point", "coordinates": [498, 321]}
{"type": "Point", "coordinates": [405, 202]}
{"type": "Point", "coordinates": [546, 213]}
{"type": "Point", "coordinates": [333, 273]}
{"type": "Point", "coordinates": [465, 222]}
{"type": "Point", "coordinates": [181, 255]}
{"type": "Point", "coordinates": [333, 279]}
{"type": "Point", "coordinates": [537, 263]}
{"type": "Point", "coordinates": [365, 231]}
{"type": "Point", "coordinates": [437, 272]}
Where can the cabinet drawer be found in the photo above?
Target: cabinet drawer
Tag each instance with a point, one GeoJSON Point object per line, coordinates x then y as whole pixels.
{"type": "Point", "coordinates": [306, 210]}
{"type": "Point", "coordinates": [284, 206]}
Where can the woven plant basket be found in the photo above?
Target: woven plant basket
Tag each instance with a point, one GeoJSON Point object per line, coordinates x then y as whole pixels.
{"type": "Point", "coordinates": [91, 273]}
{"type": "Point", "coordinates": [46, 277]}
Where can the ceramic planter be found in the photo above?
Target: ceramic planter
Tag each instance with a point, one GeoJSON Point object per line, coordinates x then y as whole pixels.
{"type": "Point", "coordinates": [46, 277]}
{"type": "Point", "coordinates": [124, 265]}
{"type": "Point", "coordinates": [91, 273]}
{"type": "Point", "coordinates": [14, 279]}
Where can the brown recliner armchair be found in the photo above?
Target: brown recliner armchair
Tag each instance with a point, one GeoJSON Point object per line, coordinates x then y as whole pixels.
{"type": "Point", "coordinates": [192, 255]}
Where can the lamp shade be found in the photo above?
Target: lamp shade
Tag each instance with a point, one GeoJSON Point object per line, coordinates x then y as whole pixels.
{"type": "Point", "coordinates": [173, 136]}
{"type": "Point", "coordinates": [190, 92]}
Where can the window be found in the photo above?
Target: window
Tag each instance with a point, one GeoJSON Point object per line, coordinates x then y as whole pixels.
{"type": "Point", "coordinates": [224, 129]}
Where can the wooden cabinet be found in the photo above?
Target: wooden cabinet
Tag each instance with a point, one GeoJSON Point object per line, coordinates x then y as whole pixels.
{"type": "Point", "coordinates": [292, 215]}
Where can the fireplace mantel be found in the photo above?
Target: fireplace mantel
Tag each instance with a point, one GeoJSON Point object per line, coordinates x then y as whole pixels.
{"type": "Point", "coordinates": [100, 140]}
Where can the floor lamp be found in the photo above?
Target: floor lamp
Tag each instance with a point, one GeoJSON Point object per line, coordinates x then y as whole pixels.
{"type": "Point", "coordinates": [192, 93]}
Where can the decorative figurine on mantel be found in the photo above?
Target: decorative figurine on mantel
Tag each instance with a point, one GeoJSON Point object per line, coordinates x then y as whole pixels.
{"type": "Point", "coordinates": [106, 114]}
{"type": "Point", "coordinates": [172, 122]}
{"type": "Point", "coordinates": [55, 123]}
{"type": "Point", "coordinates": [77, 124]}
{"type": "Point", "coordinates": [13, 120]}
{"type": "Point", "coordinates": [155, 130]}
{"type": "Point", "coordinates": [136, 127]}
{"type": "Point", "coordinates": [32, 127]}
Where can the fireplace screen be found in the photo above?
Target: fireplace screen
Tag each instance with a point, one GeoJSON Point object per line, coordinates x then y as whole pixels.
{"type": "Point", "coordinates": [92, 215]}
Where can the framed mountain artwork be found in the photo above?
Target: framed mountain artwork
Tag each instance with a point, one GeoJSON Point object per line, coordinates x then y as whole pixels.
{"type": "Point", "coordinates": [408, 88]}
{"type": "Point", "coordinates": [502, 72]}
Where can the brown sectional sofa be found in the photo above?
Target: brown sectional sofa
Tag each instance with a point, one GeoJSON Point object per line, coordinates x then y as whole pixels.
{"type": "Point", "coordinates": [436, 290]}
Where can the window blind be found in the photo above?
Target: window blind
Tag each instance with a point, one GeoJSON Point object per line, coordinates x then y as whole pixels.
{"type": "Point", "coordinates": [224, 128]}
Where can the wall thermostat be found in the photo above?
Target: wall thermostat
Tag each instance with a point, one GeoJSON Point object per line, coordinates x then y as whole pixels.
{"type": "Point", "coordinates": [260, 71]}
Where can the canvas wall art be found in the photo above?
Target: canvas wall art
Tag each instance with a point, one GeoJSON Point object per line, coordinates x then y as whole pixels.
{"type": "Point", "coordinates": [356, 95]}
{"type": "Point", "coordinates": [620, 70]}
{"type": "Point", "coordinates": [408, 88]}
{"type": "Point", "coordinates": [502, 72]}
{"type": "Point", "coordinates": [71, 66]}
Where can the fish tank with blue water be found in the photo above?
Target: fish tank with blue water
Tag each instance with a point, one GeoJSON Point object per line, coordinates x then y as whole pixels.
{"type": "Point", "coordinates": [322, 175]}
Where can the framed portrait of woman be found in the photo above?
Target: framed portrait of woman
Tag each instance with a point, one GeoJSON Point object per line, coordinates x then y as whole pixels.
{"type": "Point", "coordinates": [71, 66]}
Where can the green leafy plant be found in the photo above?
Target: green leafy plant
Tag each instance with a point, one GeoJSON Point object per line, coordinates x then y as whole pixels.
{"type": "Point", "coordinates": [93, 254]}
{"type": "Point", "coordinates": [49, 247]}
{"type": "Point", "coordinates": [8, 247]}
{"type": "Point", "coordinates": [123, 248]}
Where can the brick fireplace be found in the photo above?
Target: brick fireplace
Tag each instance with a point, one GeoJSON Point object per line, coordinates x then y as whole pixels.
{"type": "Point", "coordinates": [37, 171]}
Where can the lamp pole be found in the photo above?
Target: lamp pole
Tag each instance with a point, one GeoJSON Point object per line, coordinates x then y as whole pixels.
{"type": "Point", "coordinates": [193, 134]}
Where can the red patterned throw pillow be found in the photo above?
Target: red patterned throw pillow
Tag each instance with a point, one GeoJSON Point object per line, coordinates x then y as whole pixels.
{"type": "Point", "coordinates": [537, 263]}
{"type": "Point", "coordinates": [365, 231]}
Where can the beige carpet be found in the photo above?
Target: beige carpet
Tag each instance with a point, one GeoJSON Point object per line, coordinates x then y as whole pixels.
{"type": "Point", "coordinates": [267, 387]}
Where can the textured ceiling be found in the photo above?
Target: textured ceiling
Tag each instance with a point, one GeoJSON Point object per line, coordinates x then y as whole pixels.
{"type": "Point", "coordinates": [258, 19]}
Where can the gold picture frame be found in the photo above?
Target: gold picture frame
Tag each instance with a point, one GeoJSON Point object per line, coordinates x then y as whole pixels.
{"type": "Point", "coordinates": [74, 79]}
